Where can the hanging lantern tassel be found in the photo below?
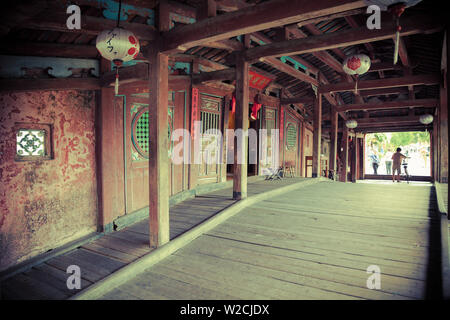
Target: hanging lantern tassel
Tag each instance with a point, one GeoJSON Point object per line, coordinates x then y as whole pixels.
{"type": "Point", "coordinates": [397, 10]}
{"type": "Point", "coordinates": [397, 42]}
{"type": "Point", "coordinates": [116, 86]}
{"type": "Point", "coordinates": [356, 85]}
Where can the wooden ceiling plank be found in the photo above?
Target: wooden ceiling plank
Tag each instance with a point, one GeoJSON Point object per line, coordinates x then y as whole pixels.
{"type": "Point", "coordinates": [410, 26]}
{"type": "Point", "coordinates": [251, 19]}
{"type": "Point", "coordinates": [397, 104]}
{"type": "Point", "coordinates": [426, 79]}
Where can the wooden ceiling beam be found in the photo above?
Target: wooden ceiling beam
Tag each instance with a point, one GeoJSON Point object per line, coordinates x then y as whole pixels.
{"type": "Point", "coordinates": [410, 26]}
{"type": "Point", "coordinates": [258, 37]}
{"type": "Point", "coordinates": [398, 104]}
{"type": "Point", "coordinates": [382, 92]}
{"type": "Point", "coordinates": [41, 49]}
{"type": "Point", "coordinates": [127, 74]}
{"type": "Point", "coordinates": [283, 67]}
{"type": "Point", "coordinates": [424, 79]}
{"type": "Point", "coordinates": [19, 85]}
{"type": "Point", "coordinates": [297, 100]}
{"type": "Point", "coordinates": [56, 21]}
{"type": "Point", "coordinates": [232, 5]}
{"type": "Point", "coordinates": [251, 19]}
{"type": "Point", "coordinates": [383, 66]}
{"type": "Point", "coordinates": [333, 16]}
{"type": "Point", "coordinates": [230, 45]}
{"type": "Point", "coordinates": [371, 122]}
{"type": "Point", "coordinates": [219, 75]}
{"type": "Point", "coordinates": [394, 128]}
{"type": "Point", "coordinates": [323, 56]}
{"type": "Point", "coordinates": [316, 31]}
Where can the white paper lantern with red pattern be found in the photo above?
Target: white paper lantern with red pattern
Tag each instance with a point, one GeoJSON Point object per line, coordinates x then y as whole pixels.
{"type": "Point", "coordinates": [356, 65]}
{"type": "Point", "coordinates": [118, 45]}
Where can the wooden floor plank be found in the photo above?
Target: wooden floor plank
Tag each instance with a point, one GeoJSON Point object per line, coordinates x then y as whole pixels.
{"type": "Point", "coordinates": [311, 243]}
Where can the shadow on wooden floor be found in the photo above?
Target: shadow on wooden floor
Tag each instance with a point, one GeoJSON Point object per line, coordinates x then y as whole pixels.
{"type": "Point", "coordinates": [434, 272]}
{"type": "Point", "coordinates": [101, 257]}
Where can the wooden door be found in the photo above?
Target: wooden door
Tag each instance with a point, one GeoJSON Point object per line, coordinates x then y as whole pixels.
{"type": "Point", "coordinates": [291, 141]}
{"type": "Point", "coordinates": [209, 170]}
{"type": "Point", "coordinates": [268, 156]}
{"type": "Point", "coordinates": [136, 147]}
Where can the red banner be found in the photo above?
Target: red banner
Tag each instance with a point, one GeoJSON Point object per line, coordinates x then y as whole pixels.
{"type": "Point", "coordinates": [258, 81]}
{"type": "Point", "coordinates": [194, 110]}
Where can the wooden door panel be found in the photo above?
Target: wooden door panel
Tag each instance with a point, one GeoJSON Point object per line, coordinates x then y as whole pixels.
{"type": "Point", "coordinates": [268, 156]}
{"type": "Point", "coordinates": [137, 152]}
{"type": "Point", "coordinates": [291, 141]}
{"type": "Point", "coordinates": [211, 117]}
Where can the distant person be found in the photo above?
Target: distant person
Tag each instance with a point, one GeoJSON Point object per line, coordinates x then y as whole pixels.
{"type": "Point", "coordinates": [397, 159]}
{"type": "Point", "coordinates": [375, 162]}
{"type": "Point", "coordinates": [388, 162]}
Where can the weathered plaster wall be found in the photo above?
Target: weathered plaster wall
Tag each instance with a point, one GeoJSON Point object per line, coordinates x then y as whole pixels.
{"type": "Point", "coordinates": [46, 203]}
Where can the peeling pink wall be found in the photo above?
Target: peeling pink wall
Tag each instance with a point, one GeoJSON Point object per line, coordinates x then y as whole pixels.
{"type": "Point", "coordinates": [46, 203]}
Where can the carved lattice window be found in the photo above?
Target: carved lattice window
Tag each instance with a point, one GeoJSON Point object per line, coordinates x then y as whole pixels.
{"type": "Point", "coordinates": [140, 131]}
{"type": "Point", "coordinates": [291, 136]}
{"type": "Point", "coordinates": [33, 142]}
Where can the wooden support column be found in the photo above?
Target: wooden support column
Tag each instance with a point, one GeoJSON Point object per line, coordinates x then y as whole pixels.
{"type": "Point", "coordinates": [443, 136]}
{"type": "Point", "coordinates": [355, 157]}
{"type": "Point", "coordinates": [158, 149]}
{"type": "Point", "coordinates": [343, 173]}
{"type": "Point", "coordinates": [317, 135]}
{"type": "Point", "coordinates": [443, 115]}
{"type": "Point", "coordinates": [363, 158]}
{"type": "Point", "coordinates": [435, 148]}
{"type": "Point", "coordinates": [241, 122]}
{"type": "Point", "coordinates": [361, 151]}
{"type": "Point", "coordinates": [333, 136]}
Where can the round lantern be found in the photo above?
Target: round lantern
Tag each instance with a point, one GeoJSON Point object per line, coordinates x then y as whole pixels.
{"type": "Point", "coordinates": [117, 45]}
{"type": "Point", "coordinates": [351, 124]}
{"type": "Point", "coordinates": [396, 7]}
{"type": "Point", "coordinates": [356, 64]}
{"type": "Point", "coordinates": [426, 119]}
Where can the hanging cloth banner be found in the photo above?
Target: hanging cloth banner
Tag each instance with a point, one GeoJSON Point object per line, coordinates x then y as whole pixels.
{"type": "Point", "coordinates": [255, 109]}
{"type": "Point", "coordinates": [232, 114]}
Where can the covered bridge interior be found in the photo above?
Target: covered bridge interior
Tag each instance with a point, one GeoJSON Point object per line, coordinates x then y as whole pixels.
{"type": "Point", "coordinates": [79, 161]}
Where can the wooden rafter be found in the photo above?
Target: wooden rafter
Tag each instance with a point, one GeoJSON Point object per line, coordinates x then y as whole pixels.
{"type": "Point", "coordinates": [342, 39]}
{"type": "Point", "coordinates": [56, 21]}
{"type": "Point", "coordinates": [251, 19]}
{"type": "Point", "coordinates": [427, 79]}
{"type": "Point", "coordinates": [430, 103]}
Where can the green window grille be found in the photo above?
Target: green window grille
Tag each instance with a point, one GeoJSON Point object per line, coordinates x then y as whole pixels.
{"type": "Point", "coordinates": [142, 132]}
{"type": "Point", "coordinates": [30, 142]}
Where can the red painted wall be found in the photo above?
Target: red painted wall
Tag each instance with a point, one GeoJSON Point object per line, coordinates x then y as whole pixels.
{"type": "Point", "coordinates": [46, 203]}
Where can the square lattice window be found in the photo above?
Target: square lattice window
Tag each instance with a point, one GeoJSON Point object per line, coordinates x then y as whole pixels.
{"type": "Point", "coordinates": [33, 142]}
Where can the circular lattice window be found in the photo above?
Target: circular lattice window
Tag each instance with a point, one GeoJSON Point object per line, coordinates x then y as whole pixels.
{"type": "Point", "coordinates": [291, 136]}
{"type": "Point", "coordinates": [139, 133]}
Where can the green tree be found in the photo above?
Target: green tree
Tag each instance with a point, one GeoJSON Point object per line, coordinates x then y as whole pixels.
{"type": "Point", "coordinates": [407, 138]}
